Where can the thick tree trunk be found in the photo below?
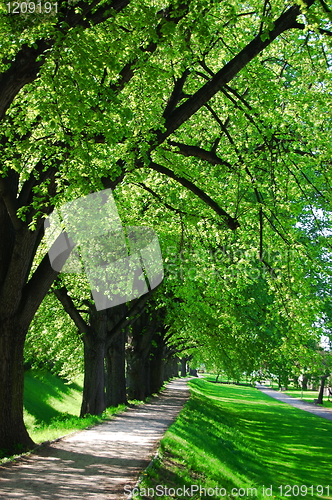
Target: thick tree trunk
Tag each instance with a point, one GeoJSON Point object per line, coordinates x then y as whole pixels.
{"type": "Point", "coordinates": [169, 369]}
{"type": "Point", "coordinates": [115, 372]}
{"type": "Point", "coordinates": [138, 373]}
{"type": "Point", "coordinates": [175, 364]}
{"type": "Point", "coordinates": [319, 400]}
{"type": "Point", "coordinates": [94, 400]}
{"type": "Point", "coordinates": [94, 336]}
{"type": "Point", "coordinates": [20, 297]}
{"type": "Point", "coordinates": [137, 368]}
{"type": "Point", "coordinates": [14, 437]}
{"type": "Point", "coordinates": [184, 367]}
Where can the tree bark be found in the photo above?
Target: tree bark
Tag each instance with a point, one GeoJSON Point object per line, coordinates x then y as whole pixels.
{"type": "Point", "coordinates": [19, 301]}
{"type": "Point", "coordinates": [95, 346]}
{"type": "Point", "coordinates": [136, 376]}
{"type": "Point", "coordinates": [138, 358]}
{"type": "Point", "coordinates": [321, 389]}
{"type": "Point", "coordinates": [115, 372]}
{"type": "Point", "coordinates": [93, 401]}
{"type": "Point", "coordinates": [304, 383]}
{"type": "Point", "coordinates": [157, 364]}
{"type": "Point", "coordinates": [184, 366]}
{"type": "Point", "coordinates": [14, 437]}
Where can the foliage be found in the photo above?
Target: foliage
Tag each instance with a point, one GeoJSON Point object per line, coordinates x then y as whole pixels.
{"type": "Point", "coordinates": [53, 341]}
{"type": "Point", "coordinates": [209, 120]}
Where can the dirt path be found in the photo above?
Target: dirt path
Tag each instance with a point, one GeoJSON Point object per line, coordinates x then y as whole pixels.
{"type": "Point", "coordinates": [99, 462]}
{"type": "Point", "coordinates": [297, 403]}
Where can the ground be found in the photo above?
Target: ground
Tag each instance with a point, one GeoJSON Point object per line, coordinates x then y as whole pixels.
{"type": "Point", "coordinates": [98, 463]}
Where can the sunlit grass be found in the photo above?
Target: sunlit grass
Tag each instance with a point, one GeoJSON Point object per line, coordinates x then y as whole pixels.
{"type": "Point", "coordinates": [308, 396]}
{"type": "Point", "coordinates": [237, 437]}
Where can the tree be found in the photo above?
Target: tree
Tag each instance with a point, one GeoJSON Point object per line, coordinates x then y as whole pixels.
{"type": "Point", "coordinates": [28, 182]}
{"type": "Point", "coordinates": [105, 92]}
{"type": "Point", "coordinates": [103, 333]}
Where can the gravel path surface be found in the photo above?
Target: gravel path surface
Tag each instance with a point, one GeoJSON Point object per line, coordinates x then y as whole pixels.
{"type": "Point", "coordinates": [96, 463]}
{"type": "Point", "coordinates": [297, 403]}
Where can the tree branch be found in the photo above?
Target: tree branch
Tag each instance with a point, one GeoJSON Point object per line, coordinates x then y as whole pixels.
{"type": "Point", "coordinates": [228, 72]}
{"type": "Point", "coordinates": [158, 197]}
{"type": "Point", "coordinates": [197, 152]}
{"type": "Point", "coordinates": [229, 221]}
{"type": "Point", "coordinates": [127, 72]}
{"type": "Point", "coordinates": [39, 284]}
{"type": "Point", "coordinates": [134, 312]}
{"type": "Point", "coordinates": [70, 308]}
{"type": "Point", "coordinates": [10, 202]}
{"type": "Point", "coordinates": [28, 60]}
{"type": "Point", "coordinates": [177, 94]}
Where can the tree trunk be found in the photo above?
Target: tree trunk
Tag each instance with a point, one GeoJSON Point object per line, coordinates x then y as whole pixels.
{"type": "Point", "coordinates": [319, 400]}
{"type": "Point", "coordinates": [94, 336]}
{"type": "Point", "coordinates": [157, 363]}
{"type": "Point", "coordinates": [136, 376]}
{"type": "Point", "coordinates": [175, 367]}
{"type": "Point", "coordinates": [184, 367]}
{"type": "Point", "coordinates": [94, 401]}
{"type": "Point", "coordinates": [14, 437]}
{"type": "Point", "coordinates": [305, 379]}
{"type": "Point", "coordinates": [138, 373]}
{"type": "Point", "coordinates": [115, 372]}
{"type": "Point", "coordinates": [20, 297]}
{"type": "Point", "coordinates": [169, 369]}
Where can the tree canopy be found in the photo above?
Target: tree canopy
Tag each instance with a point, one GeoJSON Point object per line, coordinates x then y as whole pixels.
{"type": "Point", "coordinates": [209, 120]}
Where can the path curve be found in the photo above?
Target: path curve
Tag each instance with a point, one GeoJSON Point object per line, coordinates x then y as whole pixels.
{"type": "Point", "coordinates": [297, 403]}
{"type": "Point", "coordinates": [96, 463]}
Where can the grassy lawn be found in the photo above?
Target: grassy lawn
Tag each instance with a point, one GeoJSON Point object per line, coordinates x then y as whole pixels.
{"type": "Point", "coordinates": [308, 396]}
{"type": "Point", "coordinates": [52, 406]}
{"type": "Point", "coordinates": [240, 441]}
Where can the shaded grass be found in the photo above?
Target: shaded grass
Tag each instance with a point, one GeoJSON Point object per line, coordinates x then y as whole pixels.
{"type": "Point", "coordinates": [237, 437]}
{"type": "Point", "coordinates": [47, 397]}
{"type": "Point", "coordinates": [52, 407]}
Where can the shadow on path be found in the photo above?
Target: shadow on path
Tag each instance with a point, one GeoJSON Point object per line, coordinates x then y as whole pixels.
{"type": "Point", "coordinates": [95, 463]}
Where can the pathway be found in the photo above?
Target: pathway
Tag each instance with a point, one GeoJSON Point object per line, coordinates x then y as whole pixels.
{"type": "Point", "coordinates": [297, 403]}
{"type": "Point", "coordinates": [97, 463]}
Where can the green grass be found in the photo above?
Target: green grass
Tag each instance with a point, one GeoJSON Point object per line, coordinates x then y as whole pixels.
{"type": "Point", "coordinates": [48, 398]}
{"type": "Point", "coordinates": [231, 436]}
{"type": "Point", "coordinates": [52, 407]}
{"type": "Point", "coordinates": [224, 380]}
{"type": "Point", "coordinates": [308, 396]}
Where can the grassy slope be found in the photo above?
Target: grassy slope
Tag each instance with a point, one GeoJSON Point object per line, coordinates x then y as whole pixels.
{"type": "Point", "coordinates": [47, 401]}
{"type": "Point", "coordinates": [236, 437]}
{"type": "Point", "coordinates": [52, 407]}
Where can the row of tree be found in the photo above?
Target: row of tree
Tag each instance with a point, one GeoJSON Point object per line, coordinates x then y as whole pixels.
{"type": "Point", "coordinates": [209, 121]}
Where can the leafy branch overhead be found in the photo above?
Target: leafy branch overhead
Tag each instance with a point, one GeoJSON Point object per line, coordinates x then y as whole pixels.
{"type": "Point", "coordinates": [209, 122]}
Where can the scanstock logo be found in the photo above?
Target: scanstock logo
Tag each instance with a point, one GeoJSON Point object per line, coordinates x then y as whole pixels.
{"type": "Point", "coordinates": [86, 235]}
